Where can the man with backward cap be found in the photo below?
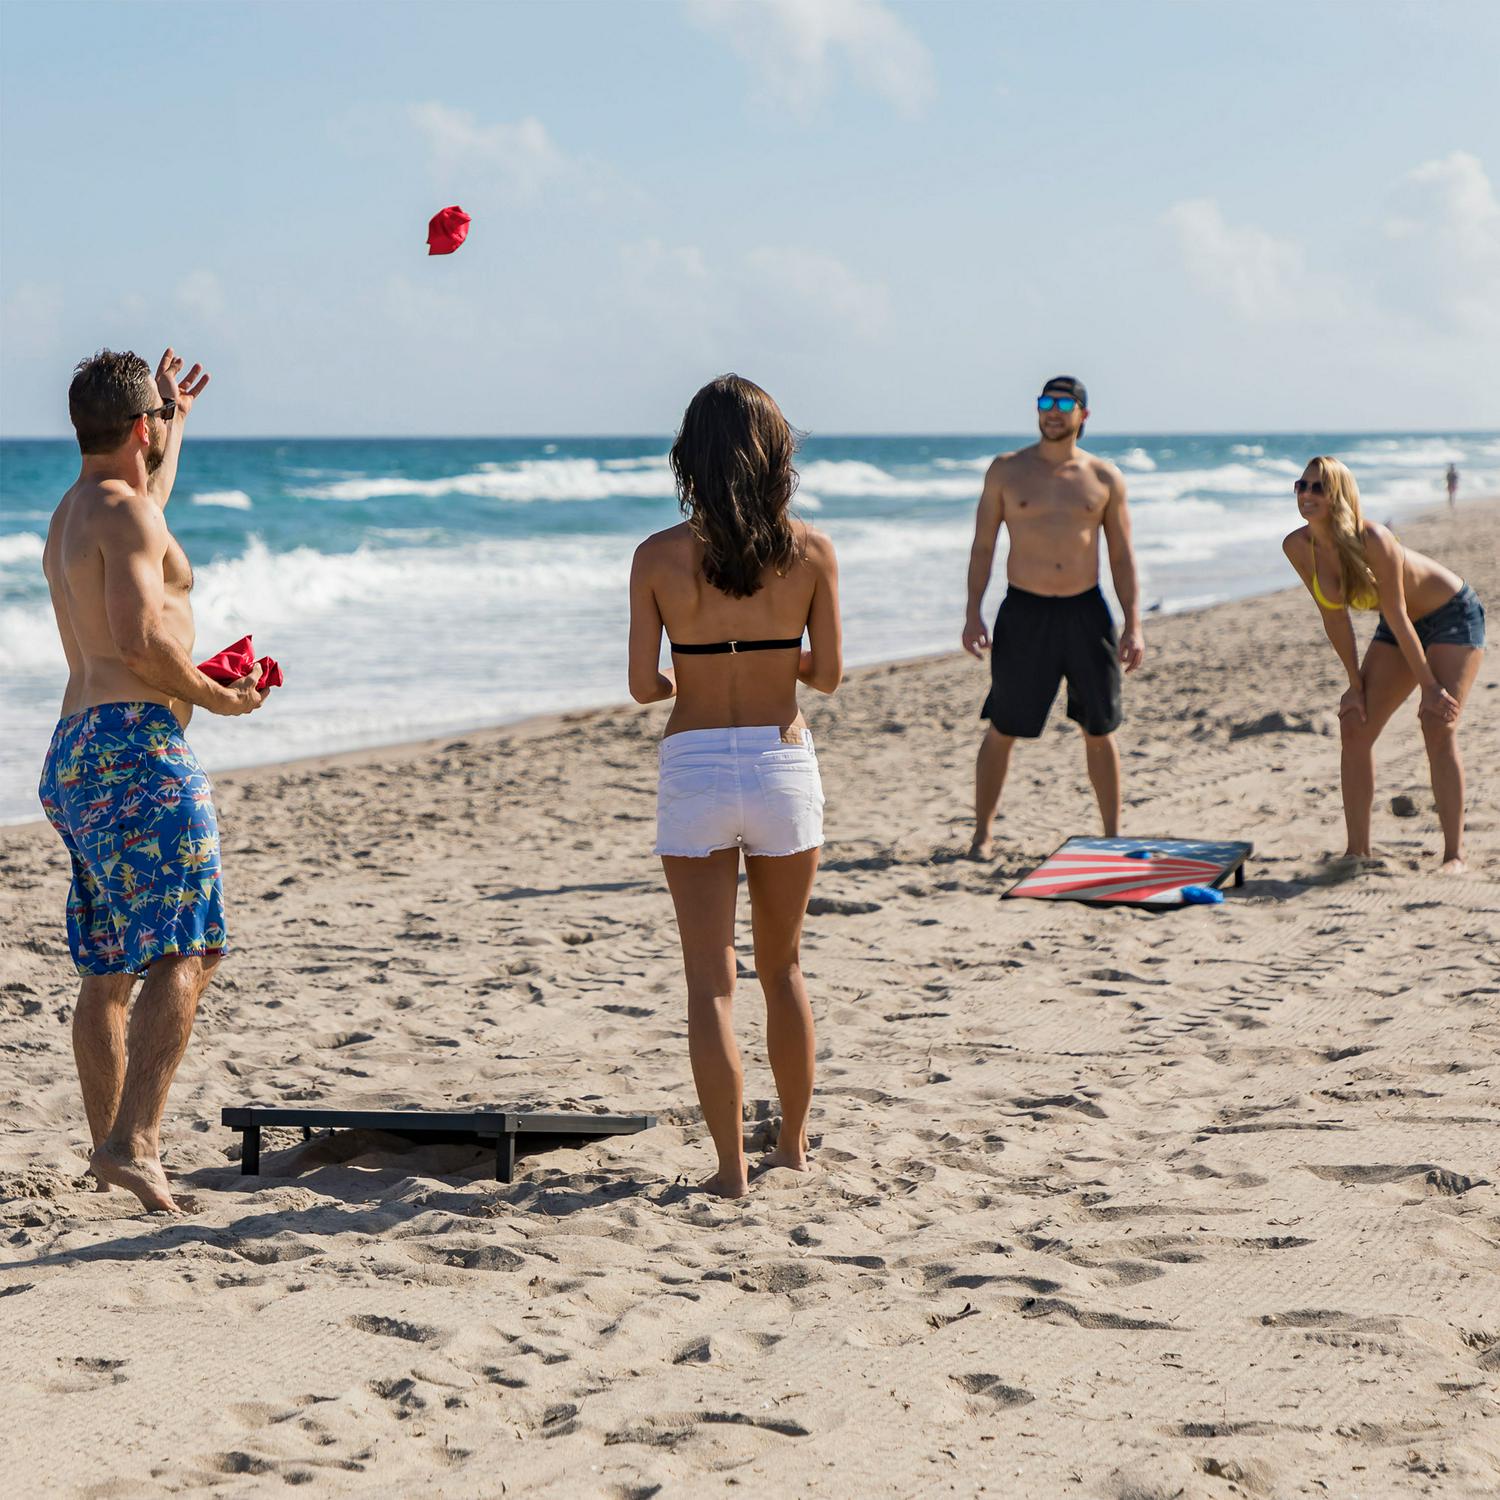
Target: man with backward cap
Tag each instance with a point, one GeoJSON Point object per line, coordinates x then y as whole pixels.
{"type": "Point", "coordinates": [1053, 624]}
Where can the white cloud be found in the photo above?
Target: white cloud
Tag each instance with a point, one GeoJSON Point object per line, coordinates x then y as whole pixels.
{"type": "Point", "coordinates": [792, 45]}
{"type": "Point", "coordinates": [200, 294]}
{"type": "Point", "coordinates": [522, 154]}
{"type": "Point", "coordinates": [806, 286]}
{"type": "Point", "coordinates": [1261, 276]}
{"type": "Point", "coordinates": [32, 319]}
{"type": "Point", "coordinates": [1423, 270]}
{"type": "Point", "coordinates": [1444, 232]}
{"type": "Point", "coordinates": [767, 301]}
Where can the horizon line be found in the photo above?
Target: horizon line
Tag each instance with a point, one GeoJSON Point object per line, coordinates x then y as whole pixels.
{"type": "Point", "coordinates": [572, 437]}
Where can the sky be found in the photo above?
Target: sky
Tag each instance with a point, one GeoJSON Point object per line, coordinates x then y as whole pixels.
{"type": "Point", "coordinates": [1224, 215]}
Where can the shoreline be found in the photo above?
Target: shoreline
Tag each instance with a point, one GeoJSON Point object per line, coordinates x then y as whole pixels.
{"type": "Point", "coordinates": [535, 726]}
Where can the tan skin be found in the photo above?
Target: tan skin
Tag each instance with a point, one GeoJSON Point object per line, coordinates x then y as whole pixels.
{"type": "Point", "coordinates": [1055, 499]}
{"type": "Point", "coordinates": [1410, 586]}
{"type": "Point", "coordinates": [120, 586]}
{"type": "Point", "coordinates": [668, 592]}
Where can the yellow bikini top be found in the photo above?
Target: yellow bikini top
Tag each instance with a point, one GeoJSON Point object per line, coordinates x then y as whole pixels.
{"type": "Point", "coordinates": [1368, 599]}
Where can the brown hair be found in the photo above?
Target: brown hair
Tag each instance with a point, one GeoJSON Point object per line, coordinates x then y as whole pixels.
{"type": "Point", "coordinates": [733, 465]}
{"type": "Point", "coordinates": [109, 391]}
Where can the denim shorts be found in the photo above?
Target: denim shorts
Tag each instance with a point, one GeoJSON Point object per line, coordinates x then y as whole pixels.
{"type": "Point", "coordinates": [1459, 622]}
{"type": "Point", "coordinates": [737, 789]}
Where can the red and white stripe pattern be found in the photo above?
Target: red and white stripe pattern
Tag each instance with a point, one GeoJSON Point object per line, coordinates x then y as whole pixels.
{"type": "Point", "coordinates": [1101, 875]}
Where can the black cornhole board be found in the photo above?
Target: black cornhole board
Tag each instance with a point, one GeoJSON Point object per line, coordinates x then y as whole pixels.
{"type": "Point", "coordinates": [506, 1128]}
{"type": "Point", "coordinates": [1100, 871]}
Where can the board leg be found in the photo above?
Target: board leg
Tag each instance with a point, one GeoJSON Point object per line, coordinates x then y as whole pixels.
{"type": "Point", "coordinates": [1239, 874]}
{"type": "Point", "coordinates": [250, 1152]}
{"type": "Point", "coordinates": [505, 1156]}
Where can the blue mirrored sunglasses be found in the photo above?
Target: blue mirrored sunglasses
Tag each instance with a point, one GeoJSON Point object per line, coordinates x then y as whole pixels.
{"type": "Point", "coordinates": [1062, 403]}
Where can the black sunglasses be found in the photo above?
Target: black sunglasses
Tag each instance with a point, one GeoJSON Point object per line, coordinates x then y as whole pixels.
{"type": "Point", "coordinates": [166, 411]}
{"type": "Point", "coordinates": [1315, 485]}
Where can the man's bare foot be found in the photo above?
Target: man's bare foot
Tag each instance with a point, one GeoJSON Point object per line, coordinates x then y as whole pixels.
{"type": "Point", "coordinates": [142, 1176]}
{"type": "Point", "coordinates": [982, 849]}
{"type": "Point", "coordinates": [794, 1158]}
{"type": "Point", "coordinates": [723, 1186]}
{"type": "Point", "coordinates": [1454, 866]}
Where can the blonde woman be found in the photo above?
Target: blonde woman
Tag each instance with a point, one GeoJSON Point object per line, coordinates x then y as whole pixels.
{"type": "Point", "coordinates": [1430, 636]}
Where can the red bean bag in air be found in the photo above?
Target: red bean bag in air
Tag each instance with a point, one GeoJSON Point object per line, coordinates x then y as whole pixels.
{"type": "Point", "coordinates": [447, 230]}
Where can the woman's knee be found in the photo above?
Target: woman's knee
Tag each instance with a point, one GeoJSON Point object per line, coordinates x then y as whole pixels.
{"type": "Point", "coordinates": [1441, 738]}
{"type": "Point", "coordinates": [780, 975]}
{"type": "Point", "coordinates": [711, 998]}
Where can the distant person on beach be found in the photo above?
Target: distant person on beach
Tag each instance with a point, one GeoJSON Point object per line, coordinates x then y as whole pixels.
{"type": "Point", "coordinates": [734, 586]}
{"type": "Point", "coordinates": [120, 784]}
{"type": "Point", "coordinates": [1451, 478]}
{"type": "Point", "coordinates": [1430, 635]}
{"type": "Point", "coordinates": [1053, 624]}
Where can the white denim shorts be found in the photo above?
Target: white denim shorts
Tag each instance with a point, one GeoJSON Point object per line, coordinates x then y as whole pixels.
{"type": "Point", "coordinates": [737, 789]}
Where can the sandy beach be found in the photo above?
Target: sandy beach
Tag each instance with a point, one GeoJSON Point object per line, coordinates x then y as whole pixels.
{"type": "Point", "coordinates": [1110, 1203]}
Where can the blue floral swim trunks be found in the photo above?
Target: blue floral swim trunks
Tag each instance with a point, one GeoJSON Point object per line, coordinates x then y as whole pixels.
{"type": "Point", "coordinates": [135, 809]}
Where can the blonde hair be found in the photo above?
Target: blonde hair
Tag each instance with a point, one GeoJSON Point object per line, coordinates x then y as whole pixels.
{"type": "Point", "coordinates": [1356, 581]}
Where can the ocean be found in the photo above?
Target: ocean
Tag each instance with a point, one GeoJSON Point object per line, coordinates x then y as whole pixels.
{"type": "Point", "coordinates": [420, 587]}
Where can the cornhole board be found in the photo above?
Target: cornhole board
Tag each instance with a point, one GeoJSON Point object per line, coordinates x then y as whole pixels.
{"type": "Point", "coordinates": [1111, 872]}
{"type": "Point", "coordinates": [513, 1133]}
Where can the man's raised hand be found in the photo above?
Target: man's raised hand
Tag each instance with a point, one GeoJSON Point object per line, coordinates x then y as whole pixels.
{"type": "Point", "coordinates": [185, 390]}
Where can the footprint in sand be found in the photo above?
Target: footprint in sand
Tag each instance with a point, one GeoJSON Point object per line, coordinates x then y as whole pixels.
{"type": "Point", "coordinates": [401, 1394]}
{"type": "Point", "coordinates": [1435, 1179]}
{"type": "Point", "coordinates": [470, 1257]}
{"type": "Point", "coordinates": [84, 1374]}
{"type": "Point", "coordinates": [668, 1429]}
{"type": "Point", "coordinates": [394, 1328]}
{"type": "Point", "coordinates": [990, 1391]}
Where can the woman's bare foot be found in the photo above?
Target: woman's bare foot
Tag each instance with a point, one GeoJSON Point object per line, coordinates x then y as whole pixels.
{"type": "Point", "coordinates": [723, 1185]}
{"type": "Point", "coordinates": [982, 849]}
{"type": "Point", "coordinates": [142, 1176]}
{"type": "Point", "coordinates": [1454, 866]}
{"type": "Point", "coordinates": [793, 1158]}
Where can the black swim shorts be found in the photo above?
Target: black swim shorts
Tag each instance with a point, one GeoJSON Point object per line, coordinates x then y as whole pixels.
{"type": "Point", "coordinates": [1459, 622]}
{"type": "Point", "coordinates": [1040, 639]}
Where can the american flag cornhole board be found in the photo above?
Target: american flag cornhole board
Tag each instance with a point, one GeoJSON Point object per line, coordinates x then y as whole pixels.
{"type": "Point", "coordinates": [1137, 872]}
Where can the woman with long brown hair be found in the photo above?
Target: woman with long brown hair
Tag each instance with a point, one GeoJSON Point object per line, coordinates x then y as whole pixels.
{"type": "Point", "coordinates": [734, 586]}
{"type": "Point", "coordinates": [1430, 635]}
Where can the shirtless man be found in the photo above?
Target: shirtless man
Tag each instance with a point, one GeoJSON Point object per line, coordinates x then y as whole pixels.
{"type": "Point", "coordinates": [1053, 622]}
{"type": "Point", "coordinates": [120, 785]}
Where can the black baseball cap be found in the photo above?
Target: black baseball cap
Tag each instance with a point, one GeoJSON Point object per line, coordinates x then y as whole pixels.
{"type": "Point", "coordinates": [1066, 385]}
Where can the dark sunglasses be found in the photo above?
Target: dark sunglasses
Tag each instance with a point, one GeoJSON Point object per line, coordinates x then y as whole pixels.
{"type": "Point", "coordinates": [1315, 485]}
{"type": "Point", "coordinates": [1062, 403]}
{"type": "Point", "coordinates": [166, 411]}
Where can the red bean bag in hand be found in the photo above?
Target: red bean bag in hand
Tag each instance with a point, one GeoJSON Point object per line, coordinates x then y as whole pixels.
{"type": "Point", "coordinates": [235, 662]}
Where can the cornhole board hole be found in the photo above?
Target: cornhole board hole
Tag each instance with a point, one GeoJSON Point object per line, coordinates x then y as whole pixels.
{"type": "Point", "coordinates": [512, 1133]}
{"type": "Point", "coordinates": [1132, 872]}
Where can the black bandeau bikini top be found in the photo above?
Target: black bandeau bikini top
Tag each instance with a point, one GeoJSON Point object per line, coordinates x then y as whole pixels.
{"type": "Point", "coordinates": [727, 648]}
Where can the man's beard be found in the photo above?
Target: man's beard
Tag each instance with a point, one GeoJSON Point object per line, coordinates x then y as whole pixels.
{"type": "Point", "coordinates": [158, 449]}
